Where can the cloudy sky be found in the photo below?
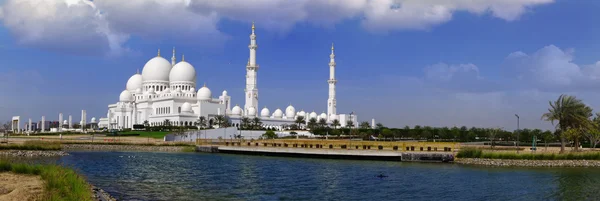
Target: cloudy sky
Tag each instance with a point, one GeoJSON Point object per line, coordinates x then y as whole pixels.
{"type": "Point", "coordinates": [402, 62]}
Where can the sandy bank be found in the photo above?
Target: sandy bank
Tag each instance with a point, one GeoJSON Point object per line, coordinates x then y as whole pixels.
{"type": "Point", "coordinates": [17, 187]}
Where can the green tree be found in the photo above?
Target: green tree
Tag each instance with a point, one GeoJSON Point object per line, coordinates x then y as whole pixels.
{"type": "Point", "coordinates": [256, 123]}
{"type": "Point", "coordinates": [364, 125]}
{"type": "Point", "coordinates": [569, 113]}
{"type": "Point", "coordinates": [547, 136]}
{"type": "Point", "coordinates": [312, 124]}
{"type": "Point", "coordinates": [349, 124]}
{"type": "Point", "coordinates": [299, 121]}
{"type": "Point", "coordinates": [335, 123]}
{"type": "Point", "coordinates": [245, 123]}
{"type": "Point", "coordinates": [269, 135]}
{"type": "Point", "coordinates": [221, 121]}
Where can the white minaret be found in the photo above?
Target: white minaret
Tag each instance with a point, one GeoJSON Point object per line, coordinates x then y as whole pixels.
{"type": "Point", "coordinates": [83, 121]}
{"type": "Point", "coordinates": [29, 126]}
{"type": "Point", "coordinates": [331, 102]}
{"type": "Point", "coordinates": [70, 122]}
{"type": "Point", "coordinates": [60, 122]}
{"type": "Point", "coordinates": [173, 60]}
{"type": "Point", "coordinates": [251, 69]}
{"type": "Point", "coordinates": [43, 123]}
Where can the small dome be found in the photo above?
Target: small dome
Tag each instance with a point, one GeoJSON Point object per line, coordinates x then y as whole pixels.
{"type": "Point", "coordinates": [251, 112]}
{"type": "Point", "coordinates": [138, 91]}
{"type": "Point", "coordinates": [224, 93]}
{"type": "Point", "coordinates": [166, 91]}
{"type": "Point", "coordinates": [183, 72]}
{"type": "Point", "coordinates": [237, 110]}
{"type": "Point", "coordinates": [290, 112]}
{"type": "Point", "coordinates": [114, 121]}
{"type": "Point", "coordinates": [93, 120]}
{"type": "Point", "coordinates": [125, 96]}
{"type": "Point", "coordinates": [302, 113]}
{"type": "Point", "coordinates": [204, 93]}
{"type": "Point", "coordinates": [134, 82]}
{"type": "Point", "coordinates": [192, 90]}
{"type": "Point", "coordinates": [186, 107]}
{"type": "Point", "coordinates": [278, 114]}
{"type": "Point", "coordinates": [323, 116]}
{"type": "Point", "coordinates": [156, 69]}
{"type": "Point", "coordinates": [65, 122]}
{"type": "Point", "coordinates": [178, 90]}
{"type": "Point", "coordinates": [313, 115]}
{"type": "Point", "coordinates": [265, 112]}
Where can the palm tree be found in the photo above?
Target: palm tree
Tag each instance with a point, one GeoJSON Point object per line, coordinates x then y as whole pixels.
{"type": "Point", "coordinates": [335, 123]}
{"type": "Point", "coordinates": [299, 120]}
{"type": "Point", "coordinates": [569, 113]}
{"type": "Point", "coordinates": [201, 123]}
{"type": "Point", "coordinates": [167, 122]}
{"type": "Point", "coordinates": [221, 120]}
{"type": "Point", "coordinates": [257, 124]}
{"type": "Point", "coordinates": [322, 123]}
{"type": "Point", "coordinates": [364, 125]}
{"type": "Point", "coordinates": [245, 122]}
{"type": "Point", "coordinates": [312, 123]}
{"type": "Point", "coordinates": [349, 124]}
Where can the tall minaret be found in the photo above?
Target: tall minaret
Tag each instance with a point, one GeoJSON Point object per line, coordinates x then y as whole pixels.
{"type": "Point", "coordinates": [331, 102]}
{"type": "Point", "coordinates": [173, 58]}
{"type": "Point", "coordinates": [251, 69]}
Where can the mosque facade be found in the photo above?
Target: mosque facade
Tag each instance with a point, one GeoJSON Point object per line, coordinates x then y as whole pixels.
{"type": "Point", "coordinates": [167, 91]}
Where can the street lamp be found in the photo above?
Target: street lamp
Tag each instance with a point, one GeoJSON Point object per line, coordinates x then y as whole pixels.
{"type": "Point", "coordinates": [518, 132]}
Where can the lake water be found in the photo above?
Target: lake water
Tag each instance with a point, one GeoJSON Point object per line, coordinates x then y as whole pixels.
{"type": "Point", "coordinates": [198, 176]}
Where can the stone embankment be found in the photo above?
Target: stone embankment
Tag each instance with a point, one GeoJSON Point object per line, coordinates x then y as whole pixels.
{"type": "Point", "coordinates": [108, 147]}
{"type": "Point", "coordinates": [527, 163]}
{"type": "Point", "coordinates": [32, 153]}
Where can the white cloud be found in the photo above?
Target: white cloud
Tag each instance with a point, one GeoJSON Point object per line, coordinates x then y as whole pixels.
{"type": "Point", "coordinates": [106, 25]}
{"type": "Point", "coordinates": [551, 68]}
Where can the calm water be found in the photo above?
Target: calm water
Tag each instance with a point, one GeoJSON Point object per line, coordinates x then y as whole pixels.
{"type": "Point", "coordinates": [195, 176]}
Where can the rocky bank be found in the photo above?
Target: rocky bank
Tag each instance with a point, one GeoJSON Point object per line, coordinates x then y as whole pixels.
{"type": "Point", "coordinates": [527, 163]}
{"type": "Point", "coordinates": [32, 153]}
{"type": "Point", "coordinates": [123, 147]}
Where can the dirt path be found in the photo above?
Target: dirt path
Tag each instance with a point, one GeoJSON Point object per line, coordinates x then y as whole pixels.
{"type": "Point", "coordinates": [17, 187]}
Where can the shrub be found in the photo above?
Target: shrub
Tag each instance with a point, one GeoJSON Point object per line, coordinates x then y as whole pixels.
{"type": "Point", "coordinates": [478, 153]}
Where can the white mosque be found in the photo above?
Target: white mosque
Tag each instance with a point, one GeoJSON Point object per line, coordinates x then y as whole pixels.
{"type": "Point", "coordinates": [168, 91]}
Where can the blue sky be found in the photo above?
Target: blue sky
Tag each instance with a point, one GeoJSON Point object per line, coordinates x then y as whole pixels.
{"type": "Point", "coordinates": [436, 63]}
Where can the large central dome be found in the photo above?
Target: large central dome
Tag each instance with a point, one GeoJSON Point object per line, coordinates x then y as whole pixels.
{"type": "Point", "coordinates": [183, 72]}
{"type": "Point", "coordinates": [157, 69]}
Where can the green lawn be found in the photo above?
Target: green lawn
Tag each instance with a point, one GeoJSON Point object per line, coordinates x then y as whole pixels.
{"type": "Point", "coordinates": [151, 134]}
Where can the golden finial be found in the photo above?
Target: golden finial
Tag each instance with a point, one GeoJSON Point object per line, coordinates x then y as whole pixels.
{"type": "Point", "coordinates": [204, 84]}
{"type": "Point", "coordinates": [138, 71]}
{"type": "Point", "coordinates": [173, 51]}
{"type": "Point", "coordinates": [331, 46]}
{"type": "Point", "coordinates": [253, 26]}
{"type": "Point", "coordinates": [158, 53]}
{"type": "Point", "coordinates": [182, 57]}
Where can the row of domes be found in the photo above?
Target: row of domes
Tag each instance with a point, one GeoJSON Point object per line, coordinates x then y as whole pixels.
{"type": "Point", "coordinates": [204, 93]}
{"type": "Point", "coordinates": [159, 69]}
{"type": "Point", "coordinates": [290, 113]}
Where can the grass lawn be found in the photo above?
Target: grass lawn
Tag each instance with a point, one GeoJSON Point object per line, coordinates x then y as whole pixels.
{"type": "Point", "coordinates": [151, 134]}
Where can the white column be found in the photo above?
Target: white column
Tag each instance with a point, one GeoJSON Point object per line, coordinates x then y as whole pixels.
{"type": "Point", "coordinates": [43, 123]}
{"type": "Point", "coordinates": [70, 122]}
{"type": "Point", "coordinates": [331, 101]}
{"type": "Point", "coordinates": [29, 125]}
{"type": "Point", "coordinates": [83, 120]}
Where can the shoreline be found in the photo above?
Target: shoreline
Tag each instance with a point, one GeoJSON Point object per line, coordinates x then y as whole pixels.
{"type": "Point", "coordinates": [526, 163]}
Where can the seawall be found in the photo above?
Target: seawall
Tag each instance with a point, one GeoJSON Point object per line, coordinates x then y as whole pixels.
{"type": "Point", "coordinates": [110, 147]}
{"type": "Point", "coordinates": [332, 153]}
{"type": "Point", "coordinates": [527, 163]}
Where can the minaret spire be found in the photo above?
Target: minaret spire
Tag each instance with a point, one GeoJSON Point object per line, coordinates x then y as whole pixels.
{"type": "Point", "coordinates": [158, 52]}
{"type": "Point", "coordinates": [183, 57]}
{"type": "Point", "coordinates": [331, 101]}
{"type": "Point", "coordinates": [173, 59]}
{"type": "Point", "coordinates": [251, 74]}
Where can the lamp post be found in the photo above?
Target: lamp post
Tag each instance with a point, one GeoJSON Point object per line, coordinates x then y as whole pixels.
{"type": "Point", "coordinates": [518, 132]}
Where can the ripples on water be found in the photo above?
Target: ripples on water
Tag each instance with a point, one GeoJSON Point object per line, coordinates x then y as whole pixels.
{"type": "Point", "coordinates": [194, 176]}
